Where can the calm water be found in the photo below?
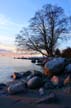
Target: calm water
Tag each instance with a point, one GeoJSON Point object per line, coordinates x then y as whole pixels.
{"type": "Point", "coordinates": [10, 65]}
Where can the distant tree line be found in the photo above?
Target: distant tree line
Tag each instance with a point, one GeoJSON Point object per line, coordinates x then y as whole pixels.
{"type": "Point", "coordinates": [64, 53]}
{"type": "Point", "coordinates": [46, 28]}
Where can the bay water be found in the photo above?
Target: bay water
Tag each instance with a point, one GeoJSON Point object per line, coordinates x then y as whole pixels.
{"type": "Point", "coordinates": [10, 65]}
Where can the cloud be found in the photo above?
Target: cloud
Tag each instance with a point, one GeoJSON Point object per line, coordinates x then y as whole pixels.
{"type": "Point", "coordinates": [7, 42]}
{"type": "Point", "coordinates": [8, 47]}
{"type": "Point", "coordinates": [7, 23]}
{"type": "Point", "coordinates": [6, 39]}
{"type": "Point", "coordinates": [8, 30]}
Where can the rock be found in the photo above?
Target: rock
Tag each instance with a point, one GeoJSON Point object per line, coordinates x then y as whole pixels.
{"type": "Point", "coordinates": [16, 75]}
{"type": "Point", "coordinates": [34, 83]}
{"type": "Point", "coordinates": [47, 59]}
{"type": "Point", "coordinates": [41, 91]}
{"type": "Point", "coordinates": [27, 73]}
{"type": "Point", "coordinates": [17, 88]}
{"type": "Point", "coordinates": [52, 98]}
{"type": "Point", "coordinates": [47, 72]}
{"type": "Point", "coordinates": [61, 83]}
{"type": "Point", "coordinates": [67, 90]}
{"type": "Point", "coordinates": [68, 69]}
{"type": "Point", "coordinates": [54, 66]}
{"type": "Point", "coordinates": [2, 86]}
{"type": "Point", "coordinates": [55, 80]}
{"type": "Point", "coordinates": [67, 80]}
{"type": "Point", "coordinates": [35, 73]}
{"type": "Point", "coordinates": [48, 84]}
{"type": "Point", "coordinates": [3, 93]}
{"type": "Point", "coordinates": [29, 77]}
{"type": "Point", "coordinates": [33, 60]}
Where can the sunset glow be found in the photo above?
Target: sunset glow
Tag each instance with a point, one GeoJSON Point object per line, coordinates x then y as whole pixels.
{"type": "Point", "coordinates": [12, 20]}
{"type": "Point", "coordinates": [11, 48]}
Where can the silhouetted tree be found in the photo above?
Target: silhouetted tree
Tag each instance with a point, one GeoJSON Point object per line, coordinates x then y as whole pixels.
{"type": "Point", "coordinates": [57, 52]}
{"type": "Point", "coordinates": [66, 52]}
{"type": "Point", "coordinates": [47, 26]}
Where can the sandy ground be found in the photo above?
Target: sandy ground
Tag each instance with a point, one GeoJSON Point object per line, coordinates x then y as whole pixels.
{"type": "Point", "coordinates": [28, 100]}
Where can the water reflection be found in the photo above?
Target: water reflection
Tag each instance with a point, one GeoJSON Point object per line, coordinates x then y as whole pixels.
{"type": "Point", "coordinates": [10, 65]}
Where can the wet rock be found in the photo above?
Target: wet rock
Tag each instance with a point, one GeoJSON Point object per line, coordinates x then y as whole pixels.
{"type": "Point", "coordinates": [16, 75]}
{"type": "Point", "coordinates": [17, 88]}
{"type": "Point", "coordinates": [54, 66]}
{"type": "Point", "coordinates": [35, 82]}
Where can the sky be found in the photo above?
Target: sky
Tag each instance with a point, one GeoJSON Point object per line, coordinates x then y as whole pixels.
{"type": "Point", "coordinates": [15, 14]}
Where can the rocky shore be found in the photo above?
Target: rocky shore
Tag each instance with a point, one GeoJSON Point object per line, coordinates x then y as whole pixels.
{"type": "Point", "coordinates": [52, 87]}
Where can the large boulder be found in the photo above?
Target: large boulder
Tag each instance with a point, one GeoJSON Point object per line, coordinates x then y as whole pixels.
{"type": "Point", "coordinates": [34, 83]}
{"type": "Point", "coordinates": [54, 66]}
{"type": "Point", "coordinates": [35, 73]}
{"type": "Point", "coordinates": [17, 87]}
{"type": "Point", "coordinates": [68, 69]}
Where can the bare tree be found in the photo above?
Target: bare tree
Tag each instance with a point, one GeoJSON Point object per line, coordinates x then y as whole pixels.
{"type": "Point", "coordinates": [46, 27]}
